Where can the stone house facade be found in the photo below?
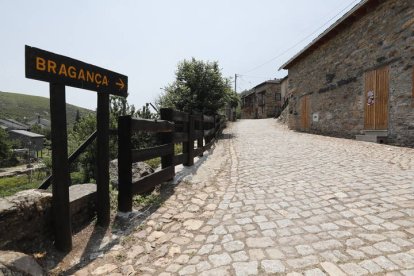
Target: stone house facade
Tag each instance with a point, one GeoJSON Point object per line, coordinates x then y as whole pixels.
{"type": "Point", "coordinates": [284, 88]}
{"type": "Point", "coordinates": [262, 101]}
{"type": "Point", "coordinates": [356, 78]}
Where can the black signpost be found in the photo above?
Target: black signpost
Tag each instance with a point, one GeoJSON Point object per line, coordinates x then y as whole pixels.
{"type": "Point", "coordinates": [61, 71]}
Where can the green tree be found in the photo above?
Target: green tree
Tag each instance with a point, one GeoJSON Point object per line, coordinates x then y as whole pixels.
{"type": "Point", "coordinates": [36, 128]}
{"type": "Point", "coordinates": [78, 116]}
{"type": "Point", "coordinates": [199, 86]}
{"type": "Point", "coordinates": [7, 158]}
{"type": "Point", "coordinates": [81, 131]}
{"type": "Point", "coordinates": [87, 125]}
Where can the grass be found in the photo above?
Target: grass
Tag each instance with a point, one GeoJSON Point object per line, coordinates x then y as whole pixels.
{"type": "Point", "coordinates": [155, 163]}
{"type": "Point", "coordinates": [127, 239]}
{"type": "Point", "coordinates": [11, 185]}
{"type": "Point", "coordinates": [19, 106]}
{"type": "Point", "coordinates": [152, 199]}
{"type": "Point", "coordinates": [178, 148]}
{"type": "Point", "coordinates": [121, 257]}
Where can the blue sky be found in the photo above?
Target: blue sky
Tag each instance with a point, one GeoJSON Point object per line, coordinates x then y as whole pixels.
{"type": "Point", "coordinates": [145, 40]}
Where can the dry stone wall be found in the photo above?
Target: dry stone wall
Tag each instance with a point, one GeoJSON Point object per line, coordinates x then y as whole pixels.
{"type": "Point", "coordinates": [26, 216]}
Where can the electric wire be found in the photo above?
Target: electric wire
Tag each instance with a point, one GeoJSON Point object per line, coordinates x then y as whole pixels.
{"type": "Point", "coordinates": [303, 39]}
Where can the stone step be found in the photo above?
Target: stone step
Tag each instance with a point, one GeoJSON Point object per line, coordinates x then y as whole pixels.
{"type": "Point", "coordinates": [371, 138]}
{"type": "Point", "coordinates": [376, 132]}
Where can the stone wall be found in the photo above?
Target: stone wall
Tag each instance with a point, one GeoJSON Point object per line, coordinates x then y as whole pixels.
{"type": "Point", "coordinates": [26, 216]}
{"type": "Point", "coordinates": [284, 89]}
{"type": "Point", "coordinates": [248, 108]}
{"type": "Point", "coordinates": [272, 104]}
{"type": "Point", "coordinates": [259, 109]}
{"type": "Point", "coordinates": [333, 74]}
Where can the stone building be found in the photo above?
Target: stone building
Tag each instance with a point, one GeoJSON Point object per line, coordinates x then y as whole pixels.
{"type": "Point", "coordinates": [284, 88]}
{"type": "Point", "coordinates": [262, 101]}
{"type": "Point", "coordinates": [356, 78]}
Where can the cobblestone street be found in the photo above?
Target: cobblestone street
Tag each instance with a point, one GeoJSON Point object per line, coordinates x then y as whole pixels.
{"type": "Point", "coordinates": [268, 200]}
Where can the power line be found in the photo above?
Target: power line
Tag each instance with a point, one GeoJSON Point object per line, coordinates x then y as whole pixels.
{"type": "Point", "coordinates": [303, 39]}
{"type": "Point", "coordinates": [253, 76]}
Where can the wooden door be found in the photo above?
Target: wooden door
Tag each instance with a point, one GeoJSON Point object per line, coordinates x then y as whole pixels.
{"type": "Point", "coordinates": [376, 99]}
{"type": "Point", "coordinates": [304, 114]}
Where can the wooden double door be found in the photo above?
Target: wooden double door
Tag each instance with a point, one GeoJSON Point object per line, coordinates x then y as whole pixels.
{"type": "Point", "coordinates": [376, 94]}
{"type": "Point", "coordinates": [376, 99]}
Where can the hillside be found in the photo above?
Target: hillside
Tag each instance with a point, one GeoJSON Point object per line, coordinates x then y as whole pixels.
{"type": "Point", "coordinates": [20, 106]}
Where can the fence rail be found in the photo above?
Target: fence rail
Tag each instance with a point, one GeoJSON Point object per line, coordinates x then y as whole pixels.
{"type": "Point", "coordinates": [46, 183]}
{"type": "Point", "coordinates": [174, 127]}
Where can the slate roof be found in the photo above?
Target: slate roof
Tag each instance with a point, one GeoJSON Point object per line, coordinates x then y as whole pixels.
{"type": "Point", "coordinates": [355, 13]}
{"type": "Point", "coordinates": [27, 133]}
{"type": "Point", "coordinates": [12, 124]}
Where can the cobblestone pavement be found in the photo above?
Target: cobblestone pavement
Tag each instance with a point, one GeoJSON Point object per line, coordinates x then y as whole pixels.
{"type": "Point", "coordinates": [273, 201]}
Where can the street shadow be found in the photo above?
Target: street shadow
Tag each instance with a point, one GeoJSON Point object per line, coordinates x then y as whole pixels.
{"type": "Point", "coordinates": [125, 223]}
{"type": "Point", "coordinates": [226, 136]}
{"type": "Point", "coordinates": [92, 249]}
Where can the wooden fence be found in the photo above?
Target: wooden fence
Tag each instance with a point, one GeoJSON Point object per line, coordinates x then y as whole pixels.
{"type": "Point", "coordinates": [173, 128]}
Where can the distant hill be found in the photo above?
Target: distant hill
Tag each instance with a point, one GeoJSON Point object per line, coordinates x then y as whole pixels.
{"type": "Point", "coordinates": [23, 108]}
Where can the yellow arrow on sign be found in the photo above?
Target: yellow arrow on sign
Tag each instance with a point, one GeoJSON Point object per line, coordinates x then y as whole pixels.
{"type": "Point", "coordinates": [121, 84]}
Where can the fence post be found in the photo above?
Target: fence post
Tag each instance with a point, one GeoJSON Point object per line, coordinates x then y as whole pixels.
{"type": "Point", "coordinates": [206, 137]}
{"type": "Point", "coordinates": [167, 138]}
{"type": "Point", "coordinates": [60, 169]}
{"type": "Point", "coordinates": [215, 126]}
{"type": "Point", "coordinates": [201, 128]}
{"type": "Point", "coordinates": [102, 162]}
{"type": "Point", "coordinates": [124, 164]}
{"type": "Point", "coordinates": [190, 142]}
{"type": "Point", "coordinates": [186, 129]}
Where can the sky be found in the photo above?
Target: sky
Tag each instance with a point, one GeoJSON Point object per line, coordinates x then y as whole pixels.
{"type": "Point", "coordinates": [145, 40]}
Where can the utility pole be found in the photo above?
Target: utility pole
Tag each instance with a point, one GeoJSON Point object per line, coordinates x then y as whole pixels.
{"type": "Point", "coordinates": [235, 83]}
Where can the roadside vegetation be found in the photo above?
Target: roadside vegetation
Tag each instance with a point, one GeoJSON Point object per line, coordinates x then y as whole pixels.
{"type": "Point", "coordinates": [11, 185]}
{"type": "Point", "coordinates": [199, 87]}
{"type": "Point", "coordinates": [24, 108]}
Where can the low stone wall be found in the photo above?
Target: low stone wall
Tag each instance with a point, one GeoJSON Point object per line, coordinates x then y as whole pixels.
{"type": "Point", "coordinates": [18, 264]}
{"type": "Point", "coordinates": [26, 217]}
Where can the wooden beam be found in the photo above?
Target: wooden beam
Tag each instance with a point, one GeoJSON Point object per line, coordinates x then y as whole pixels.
{"type": "Point", "coordinates": [60, 169]}
{"type": "Point", "coordinates": [180, 116]}
{"type": "Point", "coordinates": [150, 181]}
{"type": "Point", "coordinates": [179, 137]}
{"type": "Point", "coordinates": [208, 119]}
{"type": "Point", "coordinates": [124, 164]}
{"type": "Point", "coordinates": [149, 153]}
{"type": "Point", "coordinates": [167, 138]}
{"type": "Point", "coordinates": [151, 126]}
{"type": "Point", "coordinates": [180, 159]}
{"type": "Point", "coordinates": [102, 160]}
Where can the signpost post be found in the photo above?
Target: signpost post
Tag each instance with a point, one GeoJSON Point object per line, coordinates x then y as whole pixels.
{"type": "Point", "coordinates": [61, 71]}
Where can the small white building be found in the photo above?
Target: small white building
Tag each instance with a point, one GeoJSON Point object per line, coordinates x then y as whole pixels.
{"type": "Point", "coordinates": [30, 140]}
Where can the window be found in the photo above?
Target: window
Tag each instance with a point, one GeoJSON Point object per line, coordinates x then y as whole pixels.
{"type": "Point", "coordinates": [278, 97]}
{"type": "Point", "coordinates": [261, 99]}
